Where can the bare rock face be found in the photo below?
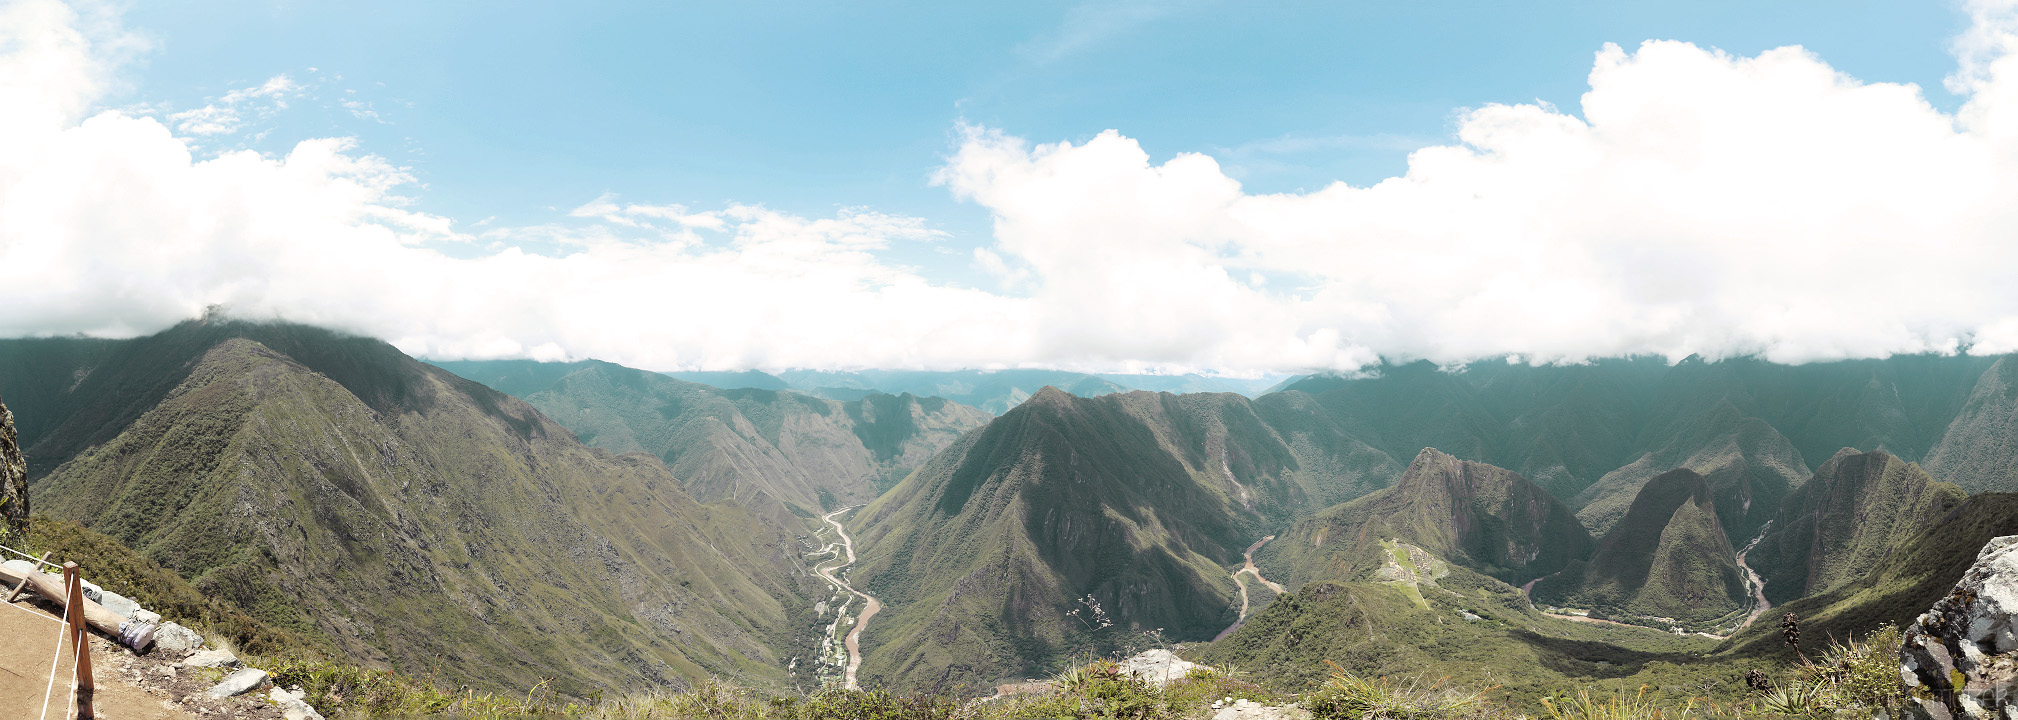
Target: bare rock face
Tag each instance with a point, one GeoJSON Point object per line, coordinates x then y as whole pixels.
{"type": "Point", "coordinates": [13, 479]}
{"type": "Point", "coordinates": [1960, 658]}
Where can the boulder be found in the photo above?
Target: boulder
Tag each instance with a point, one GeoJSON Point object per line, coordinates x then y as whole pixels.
{"type": "Point", "coordinates": [1158, 667]}
{"type": "Point", "coordinates": [177, 638]}
{"type": "Point", "coordinates": [1960, 658]}
{"type": "Point", "coordinates": [116, 603]}
{"type": "Point", "coordinates": [147, 616]}
{"type": "Point", "coordinates": [20, 566]}
{"type": "Point", "coordinates": [237, 683]}
{"type": "Point", "coordinates": [291, 705]}
{"type": "Point", "coordinates": [211, 659]}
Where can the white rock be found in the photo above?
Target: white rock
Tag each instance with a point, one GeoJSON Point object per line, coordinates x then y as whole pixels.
{"type": "Point", "coordinates": [291, 705]}
{"type": "Point", "coordinates": [1967, 634]}
{"type": "Point", "coordinates": [1158, 667]}
{"type": "Point", "coordinates": [117, 603]}
{"type": "Point", "coordinates": [211, 659]}
{"type": "Point", "coordinates": [147, 616]}
{"type": "Point", "coordinates": [237, 683]}
{"type": "Point", "coordinates": [177, 638]}
{"type": "Point", "coordinates": [19, 566]}
{"type": "Point", "coordinates": [1256, 711]}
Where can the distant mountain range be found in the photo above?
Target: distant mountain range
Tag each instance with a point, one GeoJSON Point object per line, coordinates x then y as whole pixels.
{"type": "Point", "coordinates": [994, 391]}
{"type": "Point", "coordinates": [610, 527]}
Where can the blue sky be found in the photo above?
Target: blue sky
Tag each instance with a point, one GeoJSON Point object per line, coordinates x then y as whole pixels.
{"type": "Point", "coordinates": [1108, 187]}
{"type": "Point", "coordinates": [522, 111]}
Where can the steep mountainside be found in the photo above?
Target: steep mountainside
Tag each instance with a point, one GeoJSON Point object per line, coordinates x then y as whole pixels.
{"type": "Point", "coordinates": [756, 447]}
{"type": "Point", "coordinates": [1593, 434]}
{"type": "Point", "coordinates": [1488, 519]}
{"type": "Point", "coordinates": [1750, 468]}
{"type": "Point", "coordinates": [13, 479]}
{"type": "Point", "coordinates": [1856, 511]}
{"type": "Point", "coordinates": [333, 487]}
{"type": "Point", "coordinates": [1979, 450]}
{"type": "Point", "coordinates": [1902, 585]}
{"type": "Point", "coordinates": [1065, 526]}
{"type": "Point", "coordinates": [1667, 558]}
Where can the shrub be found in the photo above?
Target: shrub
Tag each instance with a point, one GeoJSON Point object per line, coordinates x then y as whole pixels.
{"type": "Point", "coordinates": [1620, 706]}
{"type": "Point", "coordinates": [1861, 674]}
{"type": "Point", "coordinates": [1345, 696]}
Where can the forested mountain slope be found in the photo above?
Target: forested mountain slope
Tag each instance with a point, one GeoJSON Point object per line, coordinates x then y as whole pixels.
{"type": "Point", "coordinates": [334, 487]}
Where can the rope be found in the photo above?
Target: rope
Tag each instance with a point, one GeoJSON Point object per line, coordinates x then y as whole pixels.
{"type": "Point", "coordinates": [32, 612]}
{"type": "Point", "coordinates": [38, 561]}
{"type": "Point", "coordinates": [57, 661]}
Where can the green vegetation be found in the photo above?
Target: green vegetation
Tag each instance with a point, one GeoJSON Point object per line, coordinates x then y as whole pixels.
{"type": "Point", "coordinates": [1346, 697]}
{"type": "Point", "coordinates": [1667, 561]}
{"type": "Point", "coordinates": [773, 452]}
{"type": "Point", "coordinates": [111, 565]}
{"type": "Point", "coordinates": [1068, 526]}
{"type": "Point", "coordinates": [1857, 510]}
{"type": "Point", "coordinates": [297, 501]}
{"type": "Point", "coordinates": [1485, 518]}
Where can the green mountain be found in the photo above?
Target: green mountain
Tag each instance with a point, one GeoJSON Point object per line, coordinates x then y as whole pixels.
{"type": "Point", "coordinates": [733, 380]}
{"type": "Point", "coordinates": [1749, 465]}
{"type": "Point", "coordinates": [1667, 558]}
{"type": "Point", "coordinates": [1900, 586]}
{"type": "Point", "coordinates": [1463, 629]}
{"type": "Point", "coordinates": [1067, 525]}
{"type": "Point", "coordinates": [1485, 518]}
{"type": "Point", "coordinates": [517, 378]}
{"type": "Point", "coordinates": [1857, 510]}
{"type": "Point", "coordinates": [994, 391]}
{"type": "Point", "coordinates": [332, 487]}
{"type": "Point", "coordinates": [1979, 449]}
{"type": "Point", "coordinates": [756, 447]}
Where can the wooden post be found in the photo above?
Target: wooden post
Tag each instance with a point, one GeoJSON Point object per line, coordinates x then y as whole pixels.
{"type": "Point", "coordinates": [80, 636]}
{"type": "Point", "coordinates": [23, 585]}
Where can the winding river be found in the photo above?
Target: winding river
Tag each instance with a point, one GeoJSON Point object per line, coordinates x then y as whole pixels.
{"type": "Point", "coordinates": [1248, 568]}
{"type": "Point", "coordinates": [870, 605]}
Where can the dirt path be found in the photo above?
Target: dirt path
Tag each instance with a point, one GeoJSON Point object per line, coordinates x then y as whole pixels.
{"type": "Point", "coordinates": [28, 645]}
{"type": "Point", "coordinates": [870, 605]}
{"type": "Point", "coordinates": [1248, 568]}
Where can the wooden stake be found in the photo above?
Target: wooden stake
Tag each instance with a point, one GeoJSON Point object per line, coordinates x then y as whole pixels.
{"type": "Point", "coordinates": [80, 636]}
{"type": "Point", "coordinates": [23, 585]}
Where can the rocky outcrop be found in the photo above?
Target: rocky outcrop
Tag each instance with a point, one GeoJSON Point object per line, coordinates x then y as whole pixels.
{"type": "Point", "coordinates": [1158, 667]}
{"type": "Point", "coordinates": [1960, 658]}
{"type": "Point", "coordinates": [13, 480]}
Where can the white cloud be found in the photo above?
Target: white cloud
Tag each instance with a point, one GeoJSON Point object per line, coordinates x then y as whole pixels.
{"type": "Point", "coordinates": [1698, 203]}
{"type": "Point", "coordinates": [226, 115]}
{"type": "Point", "coordinates": [1702, 203]}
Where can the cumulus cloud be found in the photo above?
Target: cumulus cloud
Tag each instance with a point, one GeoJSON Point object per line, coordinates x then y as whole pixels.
{"type": "Point", "coordinates": [1702, 203]}
{"type": "Point", "coordinates": [1695, 202]}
